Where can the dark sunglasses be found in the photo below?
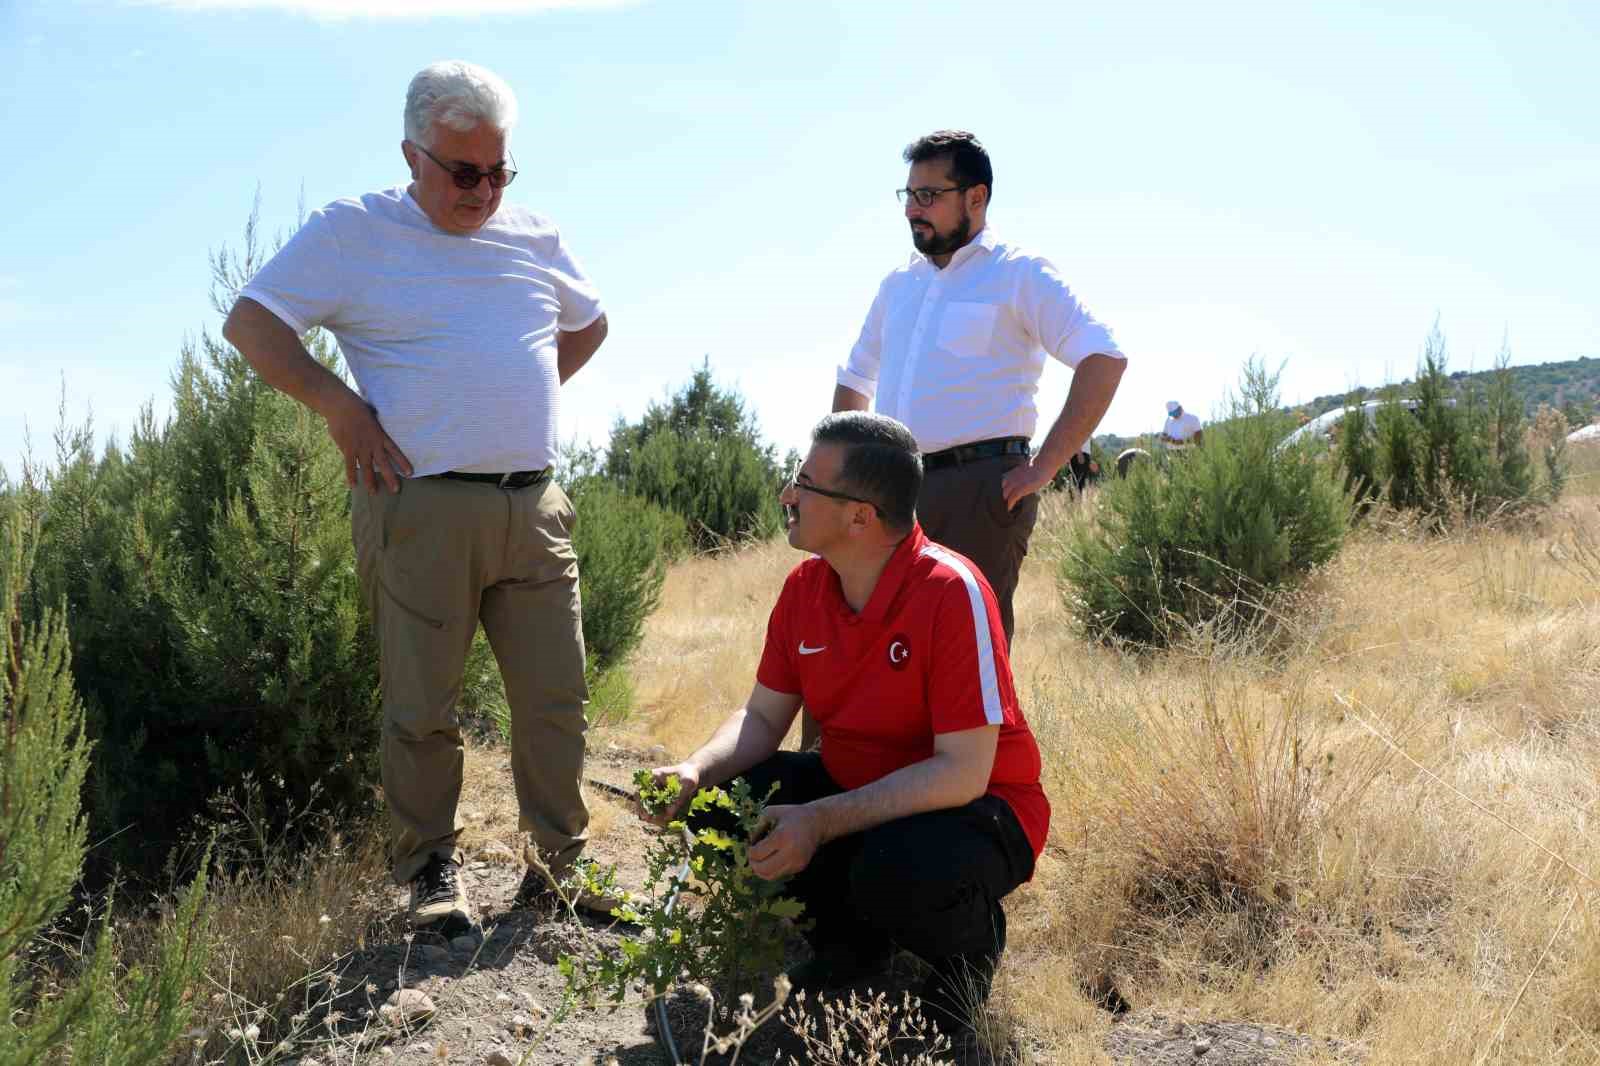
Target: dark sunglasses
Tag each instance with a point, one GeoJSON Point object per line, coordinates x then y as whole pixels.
{"type": "Point", "coordinates": [467, 177]}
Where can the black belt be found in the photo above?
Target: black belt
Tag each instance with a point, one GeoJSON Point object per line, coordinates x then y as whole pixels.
{"type": "Point", "coordinates": [971, 453]}
{"type": "Point", "coordinates": [517, 479]}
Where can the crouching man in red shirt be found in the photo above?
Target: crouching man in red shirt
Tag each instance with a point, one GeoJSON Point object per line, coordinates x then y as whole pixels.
{"type": "Point", "coordinates": [922, 809]}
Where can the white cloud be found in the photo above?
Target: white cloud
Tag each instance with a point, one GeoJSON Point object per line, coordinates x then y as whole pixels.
{"type": "Point", "coordinates": [335, 10]}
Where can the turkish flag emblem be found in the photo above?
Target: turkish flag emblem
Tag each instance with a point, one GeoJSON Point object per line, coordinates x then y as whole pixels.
{"type": "Point", "coordinates": [899, 651]}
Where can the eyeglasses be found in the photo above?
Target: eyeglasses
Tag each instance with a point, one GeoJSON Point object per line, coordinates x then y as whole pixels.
{"type": "Point", "coordinates": [467, 177]}
{"type": "Point", "coordinates": [795, 482]}
{"type": "Point", "coordinates": [925, 195]}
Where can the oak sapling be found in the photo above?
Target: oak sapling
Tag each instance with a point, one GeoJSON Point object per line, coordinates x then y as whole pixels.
{"type": "Point", "coordinates": [735, 933]}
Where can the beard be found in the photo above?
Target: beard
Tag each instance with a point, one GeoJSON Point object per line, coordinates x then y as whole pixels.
{"type": "Point", "coordinates": [931, 242]}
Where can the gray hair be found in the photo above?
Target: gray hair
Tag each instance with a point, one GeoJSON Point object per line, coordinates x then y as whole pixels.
{"type": "Point", "coordinates": [881, 462]}
{"type": "Point", "coordinates": [458, 95]}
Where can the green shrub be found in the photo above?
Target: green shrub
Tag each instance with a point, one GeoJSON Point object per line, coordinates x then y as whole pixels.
{"type": "Point", "coordinates": [701, 456]}
{"type": "Point", "coordinates": [216, 619]}
{"type": "Point", "coordinates": [1458, 452]}
{"type": "Point", "coordinates": [624, 544]}
{"type": "Point", "coordinates": [215, 613]}
{"type": "Point", "coordinates": [1205, 534]}
{"type": "Point", "coordinates": [44, 759]}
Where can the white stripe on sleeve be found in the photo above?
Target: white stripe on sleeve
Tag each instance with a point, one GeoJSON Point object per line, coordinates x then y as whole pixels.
{"type": "Point", "coordinates": [987, 676]}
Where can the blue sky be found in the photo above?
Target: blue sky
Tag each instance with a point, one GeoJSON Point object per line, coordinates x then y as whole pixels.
{"type": "Point", "coordinates": [1308, 182]}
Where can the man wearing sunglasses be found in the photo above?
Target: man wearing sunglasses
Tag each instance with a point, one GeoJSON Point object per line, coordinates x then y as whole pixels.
{"type": "Point", "coordinates": [459, 319]}
{"type": "Point", "coordinates": [954, 345]}
{"type": "Point", "coordinates": [922, 809]}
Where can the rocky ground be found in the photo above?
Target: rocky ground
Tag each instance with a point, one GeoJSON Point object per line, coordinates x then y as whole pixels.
{"type": "Point", "coordinates": [491, 998]}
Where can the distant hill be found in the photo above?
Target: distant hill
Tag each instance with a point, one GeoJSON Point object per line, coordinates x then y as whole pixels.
{"type": "Point", "coordinates": [1572, 386]}
{"type": "Point", "coordinates": [1574, 383]}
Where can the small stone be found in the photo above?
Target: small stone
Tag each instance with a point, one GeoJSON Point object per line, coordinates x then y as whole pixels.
{"type": "Point", "coordinates": [419, 1048]}
{"type": "Point", "coordinates": [657, 752]}
{"type": "Point", "coordinates": [519, 1026]}
{"type": "Point", "coordinates": [498, 1058]}
{"type": "Point", "coordinates": [1269, 1041]}
{"type": "Point", "coordinates": [471, 815]}
{"type": "Point", "coordinates": [503, 1000]}
{"type": "Point", "coordinates": [496, 853]}
{"type": "Point", "coordinates": [1201, 1046]}
{"type": "Point", "coordinates": [407, 1007]}
{"type": "Point", "coordinates": [533, 1004]}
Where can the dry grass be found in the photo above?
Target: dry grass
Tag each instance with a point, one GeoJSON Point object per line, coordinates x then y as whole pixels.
{"type": "Point", "coordinates": [1375, 825]}
{"type": "Point", "coordinates": [1380, 831]}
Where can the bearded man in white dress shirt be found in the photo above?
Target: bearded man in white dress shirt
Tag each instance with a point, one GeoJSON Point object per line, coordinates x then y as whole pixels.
{"type": "Point", "coordinates": [954, 346]}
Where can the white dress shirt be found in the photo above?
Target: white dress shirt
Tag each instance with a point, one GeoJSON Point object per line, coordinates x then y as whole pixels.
{"type": "Point", "coordinates": [956, 354]}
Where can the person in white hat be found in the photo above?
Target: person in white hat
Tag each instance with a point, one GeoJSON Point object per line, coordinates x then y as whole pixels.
{"type": "Point", "coordinates": [1183, 427]}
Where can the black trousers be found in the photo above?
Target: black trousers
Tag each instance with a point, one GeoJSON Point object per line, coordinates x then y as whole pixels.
{"type": "Point", "coordinates": [930, 884]}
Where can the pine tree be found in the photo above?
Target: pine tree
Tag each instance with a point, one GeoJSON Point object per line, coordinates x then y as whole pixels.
{"type": "Point", "coordinates": [44, 758]}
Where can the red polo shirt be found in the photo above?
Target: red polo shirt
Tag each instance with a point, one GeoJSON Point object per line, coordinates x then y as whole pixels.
{"type": "Point", "coordinates": [926, 656]}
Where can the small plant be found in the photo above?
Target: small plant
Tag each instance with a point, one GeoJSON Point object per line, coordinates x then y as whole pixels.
{"type": "Point", "coordinates": [866, 1032]}
{"type": "Point", "coordinates": [736, 933]}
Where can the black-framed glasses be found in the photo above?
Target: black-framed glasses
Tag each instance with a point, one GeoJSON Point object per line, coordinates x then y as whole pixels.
{"type": "Point", "coordinates": [467, 177]}
{"type": "Point", "coordinates": [926, 195]}
{"type": "Point", "coordinates": [806, 486]}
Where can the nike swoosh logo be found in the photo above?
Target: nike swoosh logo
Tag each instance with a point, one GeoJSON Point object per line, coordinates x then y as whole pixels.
{"type": "Point", "coordinates": [811, 651]}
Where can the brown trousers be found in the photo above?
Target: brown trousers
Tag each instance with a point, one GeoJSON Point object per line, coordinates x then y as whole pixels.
{"type": "Point", "coordinates": [434, 560]}
{"type": "Point", "coordinates": [963, 508]}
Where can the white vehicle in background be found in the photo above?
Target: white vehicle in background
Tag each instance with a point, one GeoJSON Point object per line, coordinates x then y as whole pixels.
{"type": "Point", "coordinates": [1321, 426]}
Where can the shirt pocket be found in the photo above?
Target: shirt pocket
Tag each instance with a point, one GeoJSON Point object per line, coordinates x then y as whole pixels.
{"type": "Point", "coordinates": [967, 329]}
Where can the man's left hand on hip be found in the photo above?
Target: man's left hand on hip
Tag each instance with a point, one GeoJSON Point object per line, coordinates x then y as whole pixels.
{"type": "Point", "coordinates": [1023, 481]}
{"type": "Point", "coordinates": [786, 839]}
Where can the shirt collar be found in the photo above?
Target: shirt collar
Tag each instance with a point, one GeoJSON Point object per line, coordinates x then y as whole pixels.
{"type": "Point", "coordinates": [984, 240]}
{"type": "Point", "coordinates": [894, 575]}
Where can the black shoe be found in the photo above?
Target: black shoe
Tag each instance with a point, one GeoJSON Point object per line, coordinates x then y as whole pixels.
{"type": "Point", "coordinates": [439, 901]}
{"type": "Point", "coordinates": [836, 966]}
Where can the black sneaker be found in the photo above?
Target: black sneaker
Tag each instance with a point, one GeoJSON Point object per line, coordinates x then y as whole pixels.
{"type": "Point", "coordinates": [439, 901]}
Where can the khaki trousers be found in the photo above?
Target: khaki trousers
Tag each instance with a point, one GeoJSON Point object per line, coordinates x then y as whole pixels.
{"type": "Point", "coordinates": [963, 508]}
{"type": "Point", "coordinates": [434, 560]}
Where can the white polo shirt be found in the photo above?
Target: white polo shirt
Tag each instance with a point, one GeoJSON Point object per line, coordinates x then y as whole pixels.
{"type": "Point", "coordinates": [956, 354]}
{"type": "Point", "coordinates": [451, 337]}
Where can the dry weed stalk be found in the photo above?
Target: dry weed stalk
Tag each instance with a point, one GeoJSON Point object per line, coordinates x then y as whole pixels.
{"type": "Point", "coordinates": [866, 1031]}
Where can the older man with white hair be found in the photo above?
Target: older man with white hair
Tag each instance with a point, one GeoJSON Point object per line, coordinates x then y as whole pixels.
{"type": "Point", "coordinates": [459, 318]}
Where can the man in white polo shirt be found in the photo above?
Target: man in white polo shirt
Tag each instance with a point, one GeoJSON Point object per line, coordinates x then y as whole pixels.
{"type": "Point", "coordinates": [923, 807]}
{"type": "Point", "coordinates": [459, 319]}
{"type": "Point", "coordinates": [1182, 427]}
{"type": "Point", "coordinates": [954, 346]}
